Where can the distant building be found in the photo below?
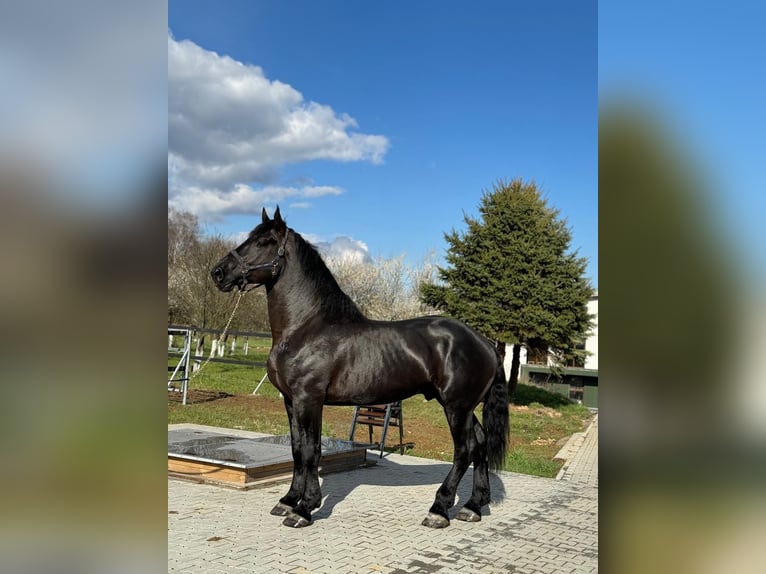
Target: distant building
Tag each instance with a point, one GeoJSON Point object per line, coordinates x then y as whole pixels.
{"type": "Point", "coordinates": [577, 383]}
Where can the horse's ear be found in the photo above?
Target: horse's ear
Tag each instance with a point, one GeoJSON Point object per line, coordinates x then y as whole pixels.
{"type": "Point", "coordinates": [278, 221]}
{"type": "Point", "coordinates": [264, 216]}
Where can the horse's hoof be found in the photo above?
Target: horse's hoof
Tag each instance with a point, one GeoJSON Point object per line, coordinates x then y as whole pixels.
{"type": "Point", "coordinates": [435, 521]}
{"type": "Point", "coordinates": [295, 521]}
{"type": "Point", "coordinates": [281, 509]}
{"type": "Point", "coordinates": [468, 515]}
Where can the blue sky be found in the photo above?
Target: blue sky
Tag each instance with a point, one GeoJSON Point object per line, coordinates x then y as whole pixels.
{"type": "Point", "coordinates": [400, 115]}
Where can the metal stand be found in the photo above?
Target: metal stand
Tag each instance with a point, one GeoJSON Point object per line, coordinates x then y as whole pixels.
{"type": "Point", "coordinates": [182, 364]}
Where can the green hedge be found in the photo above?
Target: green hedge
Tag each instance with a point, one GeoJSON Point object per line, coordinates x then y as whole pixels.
{"type": "Point", "coordinates": [526, 394]}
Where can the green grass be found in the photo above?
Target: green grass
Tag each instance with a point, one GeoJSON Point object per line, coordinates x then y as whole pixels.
{"type": "Point", "coordinates": [524, 462]}
{"type": "Point", "coordinates": [537, 435]}
{"type": "Point", "coordinates": [227, 416]}
{"type": "Point", "coordinates": [233, 379]}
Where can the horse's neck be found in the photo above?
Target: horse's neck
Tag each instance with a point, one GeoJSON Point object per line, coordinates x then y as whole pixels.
{"type": "Point", "coordinates": [290, 305]}
{"type": "Point", "coordinates": [294, 301]}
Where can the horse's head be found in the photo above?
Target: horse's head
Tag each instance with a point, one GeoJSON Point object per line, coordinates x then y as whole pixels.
{"type": "Point", "coordinates": [258, 260]}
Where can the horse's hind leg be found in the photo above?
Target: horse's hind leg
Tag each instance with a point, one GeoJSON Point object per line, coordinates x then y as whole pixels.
{"type": "Point", "coordinates": [461, 426]}
{"type": "Point", "coordinates": [471, 511]}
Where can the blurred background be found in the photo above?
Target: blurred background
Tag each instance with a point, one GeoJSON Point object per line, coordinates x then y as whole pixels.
{"type": "Point", "coordinates": [83, 140]}
{"type": "Point", "coordinates": [83, 301]}
{"type": "Point", "coordinates": [681, 205]}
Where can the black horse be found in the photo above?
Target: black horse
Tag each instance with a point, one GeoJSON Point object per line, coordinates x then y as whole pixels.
{"type": "Point", "coordinates": [325, 351]}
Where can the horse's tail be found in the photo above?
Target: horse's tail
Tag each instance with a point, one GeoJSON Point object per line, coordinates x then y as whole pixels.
{"type": "Point", "coordinates": [495, 418]}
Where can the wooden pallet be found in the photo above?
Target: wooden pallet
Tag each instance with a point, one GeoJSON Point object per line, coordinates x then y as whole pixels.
{"type": "Point", "coordinates": [253, 474]}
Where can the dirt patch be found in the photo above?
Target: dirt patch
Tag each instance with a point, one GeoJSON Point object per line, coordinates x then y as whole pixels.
{"type": "Point", "coordinates": [539, 411]}
{"type": "Point", "coordinates": [543, 441]}
{"type": "Point", "coordinates": [194, 396]}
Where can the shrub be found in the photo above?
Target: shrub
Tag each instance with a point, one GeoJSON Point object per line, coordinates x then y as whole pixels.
{"type": "Point", "coordinates": [526, 394]}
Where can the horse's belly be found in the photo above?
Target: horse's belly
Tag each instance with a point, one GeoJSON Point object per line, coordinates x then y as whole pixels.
{"type": "Point", "coordinates": [376, 385]}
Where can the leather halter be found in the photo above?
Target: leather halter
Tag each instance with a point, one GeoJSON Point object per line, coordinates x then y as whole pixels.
{"type": "Point", "coordinates": [246, 267]}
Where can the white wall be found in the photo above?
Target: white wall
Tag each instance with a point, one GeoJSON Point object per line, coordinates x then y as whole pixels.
{"type": "Point", "coordinates": [591, 343]}
{"type": "Point", "coordinates": [509, 358]}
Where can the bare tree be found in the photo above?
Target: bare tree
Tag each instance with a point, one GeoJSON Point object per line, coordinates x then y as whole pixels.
{"type": "Point", "coordinates": [192, 297]}
{"type": "Point", "coordinates": [183, 240]}
{"type": "Point", "coordinates": [385, 289]}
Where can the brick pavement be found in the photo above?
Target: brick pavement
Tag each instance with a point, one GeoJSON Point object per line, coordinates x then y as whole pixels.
{"type": "Point", "coordinates": [580, 456]}
{"type": "Point", "coordinates": [369, 522]}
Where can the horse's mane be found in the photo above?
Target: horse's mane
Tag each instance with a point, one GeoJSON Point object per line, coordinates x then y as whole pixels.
{"type": "Point", "coordinates": [333, 300]}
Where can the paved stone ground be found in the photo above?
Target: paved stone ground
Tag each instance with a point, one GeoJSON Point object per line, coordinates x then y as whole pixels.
{"type": "Point", "coordinates": [369, 522]}
{"type": "Point", "coordinates": [580, 456]}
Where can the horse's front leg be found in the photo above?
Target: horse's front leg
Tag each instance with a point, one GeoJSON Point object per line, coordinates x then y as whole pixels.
{"type": "Point", "coordinates": [293, 496]}
{"type": "Point", "coordinates": [307, 417]}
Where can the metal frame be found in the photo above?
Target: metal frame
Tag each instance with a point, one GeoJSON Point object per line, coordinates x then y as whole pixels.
{"type": "Point", "coordinates": [263, 378]}
{"type": "Point", "coordinates": [182, 363]}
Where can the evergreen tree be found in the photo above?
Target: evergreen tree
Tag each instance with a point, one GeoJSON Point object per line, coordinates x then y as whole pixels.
{"type": "Point", "coordinates": [512, 277]}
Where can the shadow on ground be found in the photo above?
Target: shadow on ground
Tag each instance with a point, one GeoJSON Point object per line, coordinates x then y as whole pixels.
{"type": "Point", "coordinates": [389, 473]}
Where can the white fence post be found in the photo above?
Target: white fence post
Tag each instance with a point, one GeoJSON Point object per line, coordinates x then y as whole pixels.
{"type": "Point", "coordinates": [199, 352]}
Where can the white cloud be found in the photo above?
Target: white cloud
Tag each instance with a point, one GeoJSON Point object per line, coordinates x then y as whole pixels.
{"type": "Point", "coordinates": [342, 248]}
{"type": "Point", "coordinates": [345, 249]}
{"type": "Point", "coordinates": [239, 237]}
{"type": "Point", "coordinates": [241, 198]}
{"type": "Point", "coordinates": [230, 127]}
